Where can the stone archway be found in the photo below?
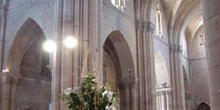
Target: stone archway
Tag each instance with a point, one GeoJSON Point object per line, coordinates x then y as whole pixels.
{"type": "Point", "coordinates": [118, 68]}
{"type": "Point", "coordinates": [161, 71]}
{"type": "Point", "coordinates": [162, 83]}
{"type": "Point", "coordinates": [28, 61]}
{"type": "Point", "coordinates": [203, 106]}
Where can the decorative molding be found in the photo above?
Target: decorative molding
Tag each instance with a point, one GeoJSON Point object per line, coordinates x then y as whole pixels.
{"type": "Point", "coordinates": [11, 6]}
{"type": "Point", "coordinates": [145, 26]}
{"type": "Point", "coordinates": [194, 59]}
{"type": "Point", "coordinates": [127, 81]}
{"type": "Point", "coordinates": [10, 78]}
{"type": "Point", "coordinates": [151, 27]}
{"type": "Point", "coordinates": [185, 57]}
{"type": "Point", "coordinates": [176, 48]}
{"type": "Point", "coordinates": [3, 11]}
{"type": "Point", "coordinates": [141, 25]}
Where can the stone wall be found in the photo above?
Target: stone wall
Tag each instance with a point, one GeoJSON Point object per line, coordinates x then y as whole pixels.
{"type": "Point", "coordinates": [115, 19]}
{"type": "Point", "coordinates": [41, 11]}
{"type": "Point", "coordinates": [198, 68]}
{"type": "Point", "coordinates": [34, 87]}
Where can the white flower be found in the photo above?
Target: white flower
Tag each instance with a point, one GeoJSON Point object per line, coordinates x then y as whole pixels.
{"type": "Point", "coordinates": [67, 91]}
{"type": "Point", "coordinates": [108, 93]}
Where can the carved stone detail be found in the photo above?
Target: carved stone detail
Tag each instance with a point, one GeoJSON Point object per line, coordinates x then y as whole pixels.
{"type": "Point", "coordinates": [146, 26]}
{"type": "Point", "coordinates": [151, 27]}
{"type": "Point", "coordinates": [176, 48]}
{"type": "Point", "coordinates": [140, 25]}
{"type": "Point", "coordinates": [10, 78]}
{"type": "Point", "coordinates": [127, 81]}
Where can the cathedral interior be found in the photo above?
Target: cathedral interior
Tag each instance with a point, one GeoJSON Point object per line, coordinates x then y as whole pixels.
{"type": "Point", "coordinates": [156, 54]}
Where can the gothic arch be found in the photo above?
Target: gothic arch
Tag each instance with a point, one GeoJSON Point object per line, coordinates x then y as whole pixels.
{"type": "Point", "coordinates": [118, 66]}
{"type": "Point", "coordinates": [28, 61]}
{"type": "Point", "coordinates": [203, 106]}
{"type": "Point", "coordinates": [116, 46]}
{"type": "Point", "coordinates": [162, 75]}
{"type": "Point", "coordinates": [29, 32]}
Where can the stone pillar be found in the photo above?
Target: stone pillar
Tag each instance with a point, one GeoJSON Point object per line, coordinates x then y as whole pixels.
{"type": "Point", "coordinates": [127, 84]}
{"type": "Point", "coordinates": [177, 83]}
{"type": "Point", "coordinates": [159, 100]}
{"type": "Point", "coordinates": [145, 64]}
{"type": "Point", "coordinates": [163, 98]}
{"type": "Point", "coordinates": [14, 82]}
{"type": "Point", "coordinates": [57, 58]}
{"type": "Point", "coordinates": [6, 80]}
{"type": "Point", "coordinates": [127, 96]}
{"type": "Point", "coordinates": [3, 17]}
{"type": "Point", "coordinates": [168, 100]}
{"type": "Point", "coordinates": [140, 30]}
{"type": "Point", "coordinates": [150, 69]}
{"type": "Point", "coordinates": [9, 84]}
{"type": "Point", "coordinates": [211, 19]}
{"type": "Point", "coordinates": [134, 98]}
{"type": "Point", "coordinates": [93, 34]}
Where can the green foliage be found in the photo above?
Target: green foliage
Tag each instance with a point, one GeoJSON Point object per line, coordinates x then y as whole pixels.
{"type": "Point", "coordinates": [89, 96]}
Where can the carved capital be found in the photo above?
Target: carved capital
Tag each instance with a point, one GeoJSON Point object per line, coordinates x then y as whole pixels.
{"type": "Point", "coordinates": [127, 81]}
{"type": "Point", "coordinates": [176, 48]}
{"type": "Point", "coordinates": [151, 27]}
{"type": "Point", "coordinates": [146, 26]}
{"type": "Point", "coordinates": [10, 78]}
{"type": "Point", "coordinates": [6, 78]}
{"type": "Point", "coordinates": [3, 10]}
{"type": "Point", "coordinates": [140, 25]}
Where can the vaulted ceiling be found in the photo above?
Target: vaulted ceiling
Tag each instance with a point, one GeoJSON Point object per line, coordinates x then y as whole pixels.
{"type": "Point", "coordinates": [183, 14]}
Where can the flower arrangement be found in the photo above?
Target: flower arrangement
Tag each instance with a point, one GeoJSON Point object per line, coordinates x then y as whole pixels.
{"type": "Point", "coordinates": [89, 96]}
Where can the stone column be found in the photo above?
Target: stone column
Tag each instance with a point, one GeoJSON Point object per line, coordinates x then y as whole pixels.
{"type": "Point", "coordinates": [177, 83]}
{"type": "Point", "coordinates": [134, 98]}
{"type": "Point", "coordinates": [3, 16]}
{"type": "Point", "coordinates": [150, 69]}
{"type": "Point", "coordinates": [163, 98]}
{"type": "Point", "coordinates": [158, 100]}
{"type": "Point", "coordinates": [127, 87]}
{"type": "Point", "coordinates": [168, 99]}
{"type": "Point", "coordinates": [140, 30]}
{"type": "Point", "coordinates": [6, 80]}
{"type": "Point", "coordinates": [211, 19]}
{"type": "Point", "coordinates": [14, 82]}
{"type": "Point", "coordinates": [127, 96]}
{"type": "Point", "coordinates": [145, 64]}
{"type": "Point", "coordinates": [57, 58]}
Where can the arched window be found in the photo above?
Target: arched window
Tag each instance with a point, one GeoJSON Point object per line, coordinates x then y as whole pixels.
{"type": "Point", "coordinates": [159, 29]}
{"type": "Point", "coordinates": [120, 4]}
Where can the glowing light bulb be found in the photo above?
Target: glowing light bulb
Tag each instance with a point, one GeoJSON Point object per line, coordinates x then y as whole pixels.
{"type": "Point", "coordinates": [5, 70]}
{"type": "Point", "coordinates": [49, 46]}
{"type": "Point", "coordinates": [70, 42]}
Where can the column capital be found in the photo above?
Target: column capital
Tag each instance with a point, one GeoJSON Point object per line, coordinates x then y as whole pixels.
{"type": "Point", "coordinates": [10, 78]}
{"type": "Point", "coordinates": [164, 90]}
{"type": "Point", "coordinates": [151, 27]}
{"type": "Point", "coordinates": [176, 48]}
{"type": "Point", "coordinates": [141, 25]}
{"type": "Point", "coordinates": [146, 26]}
{"type": "Point", "coordinates": [127, 81]}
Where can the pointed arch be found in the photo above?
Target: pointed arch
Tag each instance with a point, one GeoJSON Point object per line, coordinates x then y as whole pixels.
{"type": "Point", "coordinates": [203, 106]}
{"type": "Point", "coordinates": [29, 32]}
{"type": "Point", "coordinates": [117, 47]}
{"type": "Point", "coordinates": [161, 71]}
{"type": "Point", "coordinates": [118, 66]}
